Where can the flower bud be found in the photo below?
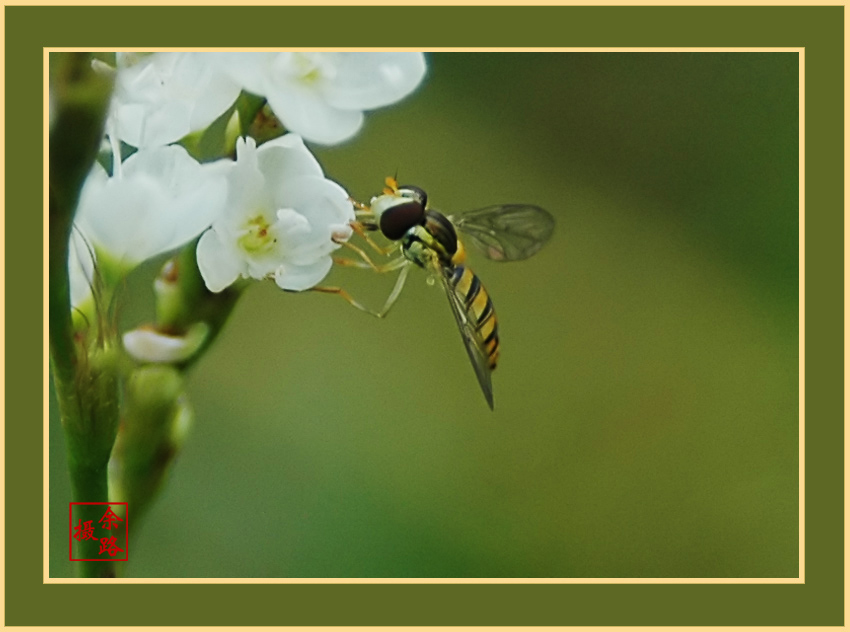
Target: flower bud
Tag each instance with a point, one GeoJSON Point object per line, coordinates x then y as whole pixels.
{"type": "Point", "coordinates": [148, 345]}
{"type": "Point", "coordinates": [92, 429]}
{"type": "Point", "coordinates": [156, 421]}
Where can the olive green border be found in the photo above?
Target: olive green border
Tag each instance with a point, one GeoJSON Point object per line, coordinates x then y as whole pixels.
{"type": "Point", "coordinates": [818, 602]}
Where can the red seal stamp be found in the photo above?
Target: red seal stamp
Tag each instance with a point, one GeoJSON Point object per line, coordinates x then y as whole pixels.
{"type": "Point", "coordinates": [106, 523]}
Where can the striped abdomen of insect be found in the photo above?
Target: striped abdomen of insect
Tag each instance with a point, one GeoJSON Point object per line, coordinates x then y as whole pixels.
{"type": "Point", "coordinates": [479, 310]}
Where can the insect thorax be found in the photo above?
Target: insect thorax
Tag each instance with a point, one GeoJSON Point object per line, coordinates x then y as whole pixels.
{"type": "Point", "coordinates": [435, 238]}
{"type": "Point", "coordinates": [443, 232]}
{"type": "Point", "coordinates": [420, 247]}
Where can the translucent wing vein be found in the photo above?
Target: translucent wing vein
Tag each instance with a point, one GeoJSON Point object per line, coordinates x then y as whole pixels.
{"type": "Point", "coordinates": [507, 232]}
{"type": "Point", "coordinates": [471, 340]}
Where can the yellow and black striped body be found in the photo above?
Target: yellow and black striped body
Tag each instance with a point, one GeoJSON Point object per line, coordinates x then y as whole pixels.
{"type": "Point", "coordinates": [429, 239]}
{"type": "Point", "coordinates": [479, 309]}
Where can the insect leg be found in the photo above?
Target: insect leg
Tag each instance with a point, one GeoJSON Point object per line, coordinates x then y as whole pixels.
{"type": "Point", "coordinates": [394, 264]}
{"type": "Point", "coordinates": [350, 263]}
{"type": "Point", "coordinates": [393, 297]}
{"type": "Point", "coordinates": [363, 255]}
{"type": "Point", "coordinates": [360, 229]}
{"type": "Point", "coordinates": [347, 297]}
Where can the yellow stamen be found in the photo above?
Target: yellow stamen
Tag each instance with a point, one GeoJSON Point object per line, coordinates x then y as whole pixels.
{"type": "Point", "coordinates": [257, 239]}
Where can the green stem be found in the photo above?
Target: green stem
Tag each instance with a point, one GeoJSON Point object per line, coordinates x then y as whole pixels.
{"type": "Point", "coordinates": [85, 378]}
{"type": "Point", "coordinates": [88, 484]}
{"type": "Point", "coordinates": [81, 100]}
{"type": "Point", "coordinates": [89, 407]}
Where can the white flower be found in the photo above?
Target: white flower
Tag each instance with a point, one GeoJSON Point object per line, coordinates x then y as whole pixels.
{"type": "Point", "coordinates": [158, 200]}
{"type": "Point", "coordinates": [282, 219]}
{"type": "Point", "coordinates": [321, 96]}
{"type": "Point", "coordinates": [161, 97]}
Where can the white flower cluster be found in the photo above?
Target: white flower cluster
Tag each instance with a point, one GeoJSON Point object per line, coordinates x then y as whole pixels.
{"type": "Point", "coordinates": [271, 213]}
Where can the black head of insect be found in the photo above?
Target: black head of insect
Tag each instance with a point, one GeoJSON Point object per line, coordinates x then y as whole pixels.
{"type": "Point", "coordinates": [408, 212]}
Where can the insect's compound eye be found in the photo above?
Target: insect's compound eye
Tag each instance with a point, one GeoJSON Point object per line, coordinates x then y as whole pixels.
{"type": "Point", "coordinates": [398, 219]}
{"type": "Point", "coordinates": [414, 193]}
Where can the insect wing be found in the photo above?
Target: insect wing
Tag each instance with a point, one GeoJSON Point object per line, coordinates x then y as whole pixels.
{"type": "Point", "coordinates": [471, 339]}
{"type": "Point", "coordinates": [507, 232]}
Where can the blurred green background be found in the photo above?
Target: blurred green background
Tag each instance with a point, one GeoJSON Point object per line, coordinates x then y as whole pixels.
{"type": "Point", "coordinates": [646, 420]}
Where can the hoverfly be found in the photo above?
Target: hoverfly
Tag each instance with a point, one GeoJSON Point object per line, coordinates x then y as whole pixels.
{"type": "Point", "coordinates": [429, 239]}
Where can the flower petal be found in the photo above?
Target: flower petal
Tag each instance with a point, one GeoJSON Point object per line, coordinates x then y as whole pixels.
{"type": "Point", "coordinates": [305, 112]}
{"type": "Point", "coordinates": [291, 223]}
{"type": "Point", "coordinates": [161, 97]}
{"type": "Point", "coordinates": [151, 125]}
{"type": "Point", "coordinates": [321, 200]}
{"type": "Point", "coordinates": [247, 190]}
{"type": "Point", "coordinates": [215, 90]}
{"type": "Point", "coordinates": [251, 70]}
{"type": "Point", "coordinates": [162, 199]}
{"type": "Point", "coordinates": [364, 81]}
{"type": "Point", "coordinates": [300, 278]}
{"type": "Point", "coordinates": [288, 157]}
{"type": "Point", "coordinates": [118, 216]}
{"type": "Point", "coordinates": [171, 165]}
{"type": "Point", "coordinates": [218, 264]}
{"type": "Point", "coordinates": [196, 194]}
